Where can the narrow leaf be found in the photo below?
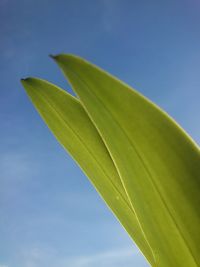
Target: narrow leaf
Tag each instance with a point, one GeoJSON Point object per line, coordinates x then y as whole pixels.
{"type": "Point", "coordinates": [158, 163]}
{"type": "Point", "coordinates": [72, 127]}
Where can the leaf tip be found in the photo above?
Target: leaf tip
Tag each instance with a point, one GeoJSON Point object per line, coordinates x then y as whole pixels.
{"type": "Point", "coordinates": [24, 80]}
{"type": "Point", "coordinates": [55, 57]}
{"type": "Point", "coordinates": [52, 56]}
{"type": "Point", "coordinates": [28, 82]}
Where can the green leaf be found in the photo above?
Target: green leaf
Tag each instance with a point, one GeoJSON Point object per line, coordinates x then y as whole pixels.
{"type": "Point", "coordinates": [158, 163]}
{"type": "Point", "coordinates": [72, 127]}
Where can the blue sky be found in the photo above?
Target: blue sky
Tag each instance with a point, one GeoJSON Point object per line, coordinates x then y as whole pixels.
{"type": "Point", "coordinates": [50, 215]}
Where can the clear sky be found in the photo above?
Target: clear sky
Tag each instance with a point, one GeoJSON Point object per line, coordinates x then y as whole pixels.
{"type": "Point", "coordinates": [50, 215]}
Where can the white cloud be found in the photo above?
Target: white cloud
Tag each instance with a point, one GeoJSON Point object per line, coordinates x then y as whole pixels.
{"type": "Point", "coordinates": [37, 257]}
{"type": "Point", "coordinates": [16, 170]}
{"type": "Point", "coordinates": [114, 258]}
{"type": "Point", "coordinates": [110, 15]}
{"type": "Point", "coordinates": [14, 166]}
{"type": "Point", "coordinates": [125, 257]}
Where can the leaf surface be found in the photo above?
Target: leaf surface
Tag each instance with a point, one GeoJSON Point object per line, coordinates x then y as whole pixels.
{"type": "Point", "coordinates": [72, 127]}
{"type": "Point", "coordinates": [158, 163]}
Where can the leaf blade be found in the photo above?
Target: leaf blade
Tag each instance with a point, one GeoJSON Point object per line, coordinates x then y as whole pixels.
{"type": "Point", "coordinates": [174, 179]}
{"type": "Point", "coordinates": [70, 124]}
